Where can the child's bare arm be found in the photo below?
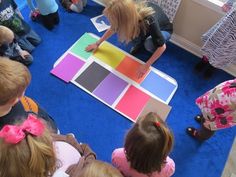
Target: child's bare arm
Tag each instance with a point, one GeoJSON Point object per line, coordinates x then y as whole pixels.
{"type": "Point", "coordinates": [144, 68]}
{"type": "Point", "coordinates": [22, 53]}
{"type": "Point", "coordinates": [105, 36]}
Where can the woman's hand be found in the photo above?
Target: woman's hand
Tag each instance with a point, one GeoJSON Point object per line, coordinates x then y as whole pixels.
{"type": "Point", "coordinates": [142, 70]}
{"type": "Point", "coordinates": [91, 47]}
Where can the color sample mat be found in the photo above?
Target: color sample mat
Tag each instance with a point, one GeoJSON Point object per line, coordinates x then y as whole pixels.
{"type": "Point", "coordinates": [109, 74]}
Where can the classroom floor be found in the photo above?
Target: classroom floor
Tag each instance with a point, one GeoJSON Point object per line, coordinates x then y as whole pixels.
{"type": "Point", "coordinates": [76, 111]}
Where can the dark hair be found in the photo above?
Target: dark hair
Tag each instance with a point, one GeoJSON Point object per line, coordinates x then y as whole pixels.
{"type": "Point", "coordinates": [148, 143]}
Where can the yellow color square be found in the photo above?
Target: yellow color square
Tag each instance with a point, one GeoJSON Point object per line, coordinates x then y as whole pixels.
{"type": "Point", "coordinates": [109, 54]}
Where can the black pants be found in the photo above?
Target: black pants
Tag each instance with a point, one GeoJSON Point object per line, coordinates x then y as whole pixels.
{"type": "Point", "coordinates": [50, 20]}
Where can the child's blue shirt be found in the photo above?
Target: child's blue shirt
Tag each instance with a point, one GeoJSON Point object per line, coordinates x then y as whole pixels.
{"type": "Point", "coordinates": [45, 6]}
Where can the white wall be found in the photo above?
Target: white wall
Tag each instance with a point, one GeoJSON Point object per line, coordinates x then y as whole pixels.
{"type": "Point", "coordinates": [194, 18]}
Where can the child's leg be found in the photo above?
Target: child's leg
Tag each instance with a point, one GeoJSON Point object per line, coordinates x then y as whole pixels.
{"type": "Point", "coordinates": [78, 7]}
{"type": "Point", "coordinates": [209, 71]}
{"type": "Point", "coordinates": [48, 21]}
{"type": "Point", "coordinates": [35, 15]}
{"type": "Point", "coordinates": [26, 61]}
{"type": "Point", "coordinates": [148, 44]}
{"type": "Point", "coordinates": [66, 4]}
{"type": "Point", "coordinates": [33, 38]}
{"type": "Point", "coordinates": [204, 133]}
{"type": "Point", "coordinates": [200, 134]}
{"type": "Point", "coordinates": [137, 45]}
{"type": "Point", "coordinates": [202, 64]}
{"type": "Point", "coordinates": [56, 18]}
{"type": "Point", "coordinates": [25, 44]}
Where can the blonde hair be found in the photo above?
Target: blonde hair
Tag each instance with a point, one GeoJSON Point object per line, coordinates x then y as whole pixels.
{"type": "Point", "coordinates": [148, 143]}
{"type": "Point", "coordinates": [14, 79]}
{"type": "Point", "coordinates": [100, 169]}
{"type": "Point", "coordinates": [32, 157]}
{"type": "Point", "coordinates": [6, 35]}
{"type": "Point", "coordinates": [127, 18]}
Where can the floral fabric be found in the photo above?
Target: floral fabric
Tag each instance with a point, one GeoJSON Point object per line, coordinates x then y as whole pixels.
{"type": "Point", "coordinates": [218, 106]}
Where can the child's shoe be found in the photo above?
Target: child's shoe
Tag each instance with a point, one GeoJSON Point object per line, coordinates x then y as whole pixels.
{"type": "Point", "coordinates": [202, 64]}
{"type": "Point", "coordinates": [198, 118]}
{"type": "Point", "coordinates": [192, 132]}
{"type": "Point", "coordinates": [209, 71]}
{"type": "Point", "coordinates": [35, 15]}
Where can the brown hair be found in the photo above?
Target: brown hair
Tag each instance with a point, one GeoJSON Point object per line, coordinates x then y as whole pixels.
{"type": "Point", "coordinates": [148, 143]}
{"type": "Point", "coordinates": [32, 157]}
{"type": "Point", "coordinates": [14, 79]}
{"type": "Point", "coordinates": [127, 17]}
{"type": "Point", "coordinates": [100, 169]}
{"type": "Point", "coordinates": [6, 35]}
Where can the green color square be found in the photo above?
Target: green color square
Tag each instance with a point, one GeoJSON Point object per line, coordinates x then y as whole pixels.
{"type": "Point", "coordinates": [79, 47]}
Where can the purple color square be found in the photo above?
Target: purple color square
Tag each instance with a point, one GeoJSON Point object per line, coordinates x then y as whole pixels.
{"type": "Point", "coordinates": [110, 88]}
{"type": "Point", "coordinates": [68, 67]}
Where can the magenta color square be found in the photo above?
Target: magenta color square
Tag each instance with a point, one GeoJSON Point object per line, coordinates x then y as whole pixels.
{"type": "Point", "coordinates": [110, 88]}
{"type": "Point", "coordinates": [132, 103]}
{"type": "Point", "coordinates": [68, 67]}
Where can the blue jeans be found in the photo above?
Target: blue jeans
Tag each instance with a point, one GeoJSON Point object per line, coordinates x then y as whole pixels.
{"type": "Point", "coordinates": [29, 41]}
{"type": "Point", "coordinates": [148, 44]}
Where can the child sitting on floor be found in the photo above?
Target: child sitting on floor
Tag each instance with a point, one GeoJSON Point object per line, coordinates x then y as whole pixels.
{"type": "Point", "coordinates": [29, 150]}
{"type": "Point", "coordinates": [11, 17]}
{"type": "Point", "coordinates": [9, 47]}
{"type": "Point", "coordinates": [74, 5]}
{"type": "Point", "coordinates": [14, 79]}
{"type": "Point", "coordinates": [48, 12]}
{"type": "Point", "coordinates": [146, 150]}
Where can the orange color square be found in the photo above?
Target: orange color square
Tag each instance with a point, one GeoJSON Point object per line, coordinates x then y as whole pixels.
{"type": "Point", "coordinates": [129, 68]}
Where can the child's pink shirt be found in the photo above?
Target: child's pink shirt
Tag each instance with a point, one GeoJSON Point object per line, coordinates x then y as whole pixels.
{"type": "Point", "coordinates": [120, 162]}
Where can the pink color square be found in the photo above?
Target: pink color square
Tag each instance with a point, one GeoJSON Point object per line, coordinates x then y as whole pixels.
{"type": "Point", "coordinates": [132, 103]}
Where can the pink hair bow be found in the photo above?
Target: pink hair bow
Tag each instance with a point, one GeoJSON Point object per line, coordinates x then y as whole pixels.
{"type": "Point", "coordinates": [13, 134]}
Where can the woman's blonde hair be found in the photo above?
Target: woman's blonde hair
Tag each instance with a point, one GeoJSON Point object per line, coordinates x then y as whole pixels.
{"type": "Point", "coordinates": [32, 157]}
{"type": "Point", "coordinates": [127, 17]}
{"type": "Point", "coordinates": [6, 35]}
{"type": "Point", "coordinates": [100, 169]}
{"type": "Point", "coordinates": [148, 144]}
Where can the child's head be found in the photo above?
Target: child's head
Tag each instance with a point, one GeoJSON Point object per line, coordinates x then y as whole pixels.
{"type": "Point", "coordinates": [126, 17]}
{"type": "Point", "coordinates": [100, 169]}
{"type": "Point", "coordinates": [14, 79]}
{"type": "Point", "coordinates": [148, 143]}
{"type": "Point", "coordinates": [26, 150]}
{"type": "Point", "coordinates": [6, 35]}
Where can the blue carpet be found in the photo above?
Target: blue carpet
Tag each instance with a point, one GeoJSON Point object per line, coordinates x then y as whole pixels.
{"type": "Point", "coordinates": [101, 127]}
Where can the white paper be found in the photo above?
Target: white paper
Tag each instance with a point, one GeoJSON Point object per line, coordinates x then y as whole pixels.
{"type": "Point", "coordinates": [100, 22]}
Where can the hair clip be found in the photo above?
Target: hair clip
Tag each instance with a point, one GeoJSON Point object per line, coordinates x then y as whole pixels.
{"type": "Point", "coordinates": [157, 124]}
